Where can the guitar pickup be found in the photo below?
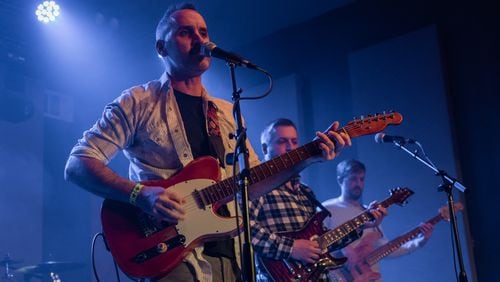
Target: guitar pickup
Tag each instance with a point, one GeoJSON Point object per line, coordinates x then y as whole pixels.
{"type": "Point", "coordinates": [159, 249]}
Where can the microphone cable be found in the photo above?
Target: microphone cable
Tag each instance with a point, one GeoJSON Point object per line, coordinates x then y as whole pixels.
{"type": "Point", "coordinates": [268, 90]}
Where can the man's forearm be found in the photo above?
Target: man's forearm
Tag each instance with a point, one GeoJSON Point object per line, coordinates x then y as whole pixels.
{"type": "Point", "coordinates": [96, 177]}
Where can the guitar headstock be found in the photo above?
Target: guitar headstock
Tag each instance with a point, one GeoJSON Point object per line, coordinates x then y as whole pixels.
{"type": "Point", "coordinates": [400, 195]}
{"type": "Point", "coordinates": [372, 123]}
{"type": "Point", "coordinates": [444, 211]}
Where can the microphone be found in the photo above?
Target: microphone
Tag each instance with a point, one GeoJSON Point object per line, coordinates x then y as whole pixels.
{"type": "Point", "coordinates": [384, 138]}
{"type": "Point", "coordinates": [209, 49]}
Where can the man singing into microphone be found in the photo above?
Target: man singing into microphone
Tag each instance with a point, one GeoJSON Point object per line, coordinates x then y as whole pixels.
{"type": "Point", "coordinates": [161, 127]}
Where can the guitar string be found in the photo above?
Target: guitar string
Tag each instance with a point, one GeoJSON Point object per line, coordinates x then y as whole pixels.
{"type": "Point", "coordinates": [352, 128]}
{"type": "Point", "coordinates": [192, 202]}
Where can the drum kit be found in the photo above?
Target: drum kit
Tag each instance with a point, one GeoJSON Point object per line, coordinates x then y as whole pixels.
{"type": "Point", "coordinates": [46, 271]}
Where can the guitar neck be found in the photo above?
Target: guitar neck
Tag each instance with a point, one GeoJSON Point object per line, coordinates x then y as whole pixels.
{"type": "Point", "coordinates": [396, 243]}
{"type": "Point", "coordinates": [225, 189]}
{"type": "Point", "coordinates": [341, 231]}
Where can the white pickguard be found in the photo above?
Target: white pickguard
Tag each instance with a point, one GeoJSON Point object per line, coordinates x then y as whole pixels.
{"type": "Point", "coordinates": [200, 222]}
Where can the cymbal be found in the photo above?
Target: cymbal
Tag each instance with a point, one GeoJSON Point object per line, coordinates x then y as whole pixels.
{"type": "Point", "coordinates": [49, 266]}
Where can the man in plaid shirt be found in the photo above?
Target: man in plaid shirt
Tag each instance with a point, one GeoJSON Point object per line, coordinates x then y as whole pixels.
{"type": "Point", "coordinates": [284, 209]}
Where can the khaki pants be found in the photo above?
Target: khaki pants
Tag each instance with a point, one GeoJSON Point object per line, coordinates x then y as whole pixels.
{"type": "Point", "coordinates": [223, 270]}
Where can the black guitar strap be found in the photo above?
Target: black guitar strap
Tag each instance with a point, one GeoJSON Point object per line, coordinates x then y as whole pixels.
{"type": "Point", "coordinates": [214, 134]}
{"type": "Point", "coordinates": [316, 203]}
{"type": "Point", "coordinates": [308, 193]}
{"type": "Point", "coordinates": [226, 247]}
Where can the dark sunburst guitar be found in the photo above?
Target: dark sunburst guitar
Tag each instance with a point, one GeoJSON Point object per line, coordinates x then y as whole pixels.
{"type": "Point", "coordinates": [293, 270]}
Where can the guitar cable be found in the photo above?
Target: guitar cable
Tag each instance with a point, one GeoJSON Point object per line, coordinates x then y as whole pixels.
{"type": "Point", "coordinates": [92, 255]}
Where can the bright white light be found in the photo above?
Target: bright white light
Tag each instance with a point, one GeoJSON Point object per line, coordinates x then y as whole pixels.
{"type": "Point", "coordinates": [47, 11]}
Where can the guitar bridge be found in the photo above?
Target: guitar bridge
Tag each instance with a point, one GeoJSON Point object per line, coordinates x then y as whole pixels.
{"type": "Point", "coordinates": [159, 249]}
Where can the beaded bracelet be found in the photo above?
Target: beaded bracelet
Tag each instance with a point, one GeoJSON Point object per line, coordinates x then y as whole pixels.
{"type": "Point", "coordinates": [135, 192]}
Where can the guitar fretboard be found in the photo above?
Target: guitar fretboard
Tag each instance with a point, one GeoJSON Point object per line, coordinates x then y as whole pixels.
{"type": "Point", "coordinates": [355, 128]}
{"type": "Point", "coordinates": [396, 243]}
{"type": "Point", "coordinates": [341, 231]}
{"type": "Point", "coordinates": [225, 188]}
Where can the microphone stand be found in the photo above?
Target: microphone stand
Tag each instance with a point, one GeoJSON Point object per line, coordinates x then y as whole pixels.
{"type": "Point", "coordinates": [447, 186]}
{"type": "Point", "coordinates": [248, 263]}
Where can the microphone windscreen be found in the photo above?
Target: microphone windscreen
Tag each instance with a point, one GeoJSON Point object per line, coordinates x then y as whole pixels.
{"type": "Point", "coordinates": [207, 48]}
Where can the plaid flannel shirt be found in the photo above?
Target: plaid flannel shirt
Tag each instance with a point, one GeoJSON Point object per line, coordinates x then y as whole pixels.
{"type": "Point", "coordinates": [281, 210]}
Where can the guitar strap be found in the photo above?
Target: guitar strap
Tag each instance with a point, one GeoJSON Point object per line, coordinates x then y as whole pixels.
{"type": "Point", "coordinates": [214, 134]}
{"type": "Point", "coordinates": [226, 247]}
{"type": "Point", "coordinates": [308, 193]}
{"type": "Point", "coordinates": [317, 203]}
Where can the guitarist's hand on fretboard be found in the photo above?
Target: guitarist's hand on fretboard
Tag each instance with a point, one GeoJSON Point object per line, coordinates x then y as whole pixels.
{"type": "Point", "coordinates": [332, 142]}
{"type": "Point", "coordinates": [378, 212]}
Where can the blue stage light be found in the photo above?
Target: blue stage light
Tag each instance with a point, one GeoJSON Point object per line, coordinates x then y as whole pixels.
{"type": "Point", "coordinates": [47, 11]}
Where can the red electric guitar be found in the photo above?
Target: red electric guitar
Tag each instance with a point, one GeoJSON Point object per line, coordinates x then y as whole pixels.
{"type": "Point", "coordinates": [146, 248]}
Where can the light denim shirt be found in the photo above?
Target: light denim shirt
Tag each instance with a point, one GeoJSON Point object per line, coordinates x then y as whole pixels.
{"type": "Point", "coordinates": [145, 123]}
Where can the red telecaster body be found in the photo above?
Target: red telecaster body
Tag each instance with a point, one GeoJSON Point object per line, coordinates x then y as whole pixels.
{"type": "Point", "coordinates": [146, 248]}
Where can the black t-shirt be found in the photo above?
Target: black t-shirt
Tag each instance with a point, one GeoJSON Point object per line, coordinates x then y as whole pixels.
{"type": "Point", "coordinates": [191, 108]}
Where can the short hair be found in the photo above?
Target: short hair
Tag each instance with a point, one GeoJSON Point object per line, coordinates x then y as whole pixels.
{"type": "Point", "coordinates": [166, 20]}
{"type": "Point", "coordinates": [266, 133]}
{"type": "Point", "coordinates": [346, 167]}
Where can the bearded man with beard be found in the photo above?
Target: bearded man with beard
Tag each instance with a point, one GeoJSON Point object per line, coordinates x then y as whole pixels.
{"type": "Point", "coordinates": [351, 179]}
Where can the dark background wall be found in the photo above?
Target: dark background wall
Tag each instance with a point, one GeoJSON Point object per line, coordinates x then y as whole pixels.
{"type": "Point", "coordinates": [468, 50]}
{"type": "Point", "coordinates": [322, 61]}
